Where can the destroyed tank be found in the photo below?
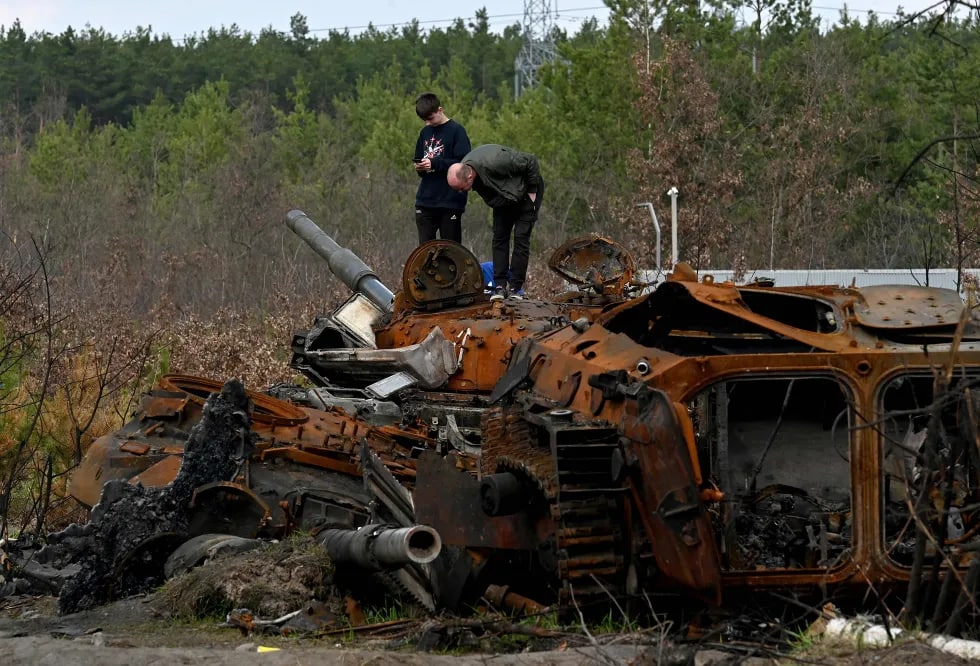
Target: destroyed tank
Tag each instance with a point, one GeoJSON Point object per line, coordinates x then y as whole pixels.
{"type": "Point", "coordinates": [385, 385]}
{"type": "Point", "coordinates": [695, 438]}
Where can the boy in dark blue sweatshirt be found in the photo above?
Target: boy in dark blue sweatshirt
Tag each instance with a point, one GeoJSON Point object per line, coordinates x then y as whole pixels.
{"type": "Point", "coordinates": [441, 143]}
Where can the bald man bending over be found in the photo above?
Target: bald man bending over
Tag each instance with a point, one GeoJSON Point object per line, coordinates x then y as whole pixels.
{"type": "Point", "coordinates": [510, 182]}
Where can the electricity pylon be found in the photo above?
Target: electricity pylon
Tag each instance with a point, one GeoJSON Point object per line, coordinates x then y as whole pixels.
{"type": "Point", "coordinates": [538, 46]}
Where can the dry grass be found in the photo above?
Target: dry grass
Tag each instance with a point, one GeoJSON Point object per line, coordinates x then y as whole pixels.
{"type": "Point", "coordinates": [82, 364]}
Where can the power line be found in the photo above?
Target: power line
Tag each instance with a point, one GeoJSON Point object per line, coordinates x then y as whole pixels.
{"type": "Point", "coordinates": [559, 16]}
{"type": "Point", "coordinates": [855, 10]}
{"type": "Point", "coordinates": [451, 20]}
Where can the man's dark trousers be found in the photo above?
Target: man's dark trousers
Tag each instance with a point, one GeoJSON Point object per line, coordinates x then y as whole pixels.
{"type": "Point", "coordinates": [518, 218]}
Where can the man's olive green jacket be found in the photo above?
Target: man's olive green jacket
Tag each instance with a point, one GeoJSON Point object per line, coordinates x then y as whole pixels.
{"type": "Point", "coordinates": [506, 175]}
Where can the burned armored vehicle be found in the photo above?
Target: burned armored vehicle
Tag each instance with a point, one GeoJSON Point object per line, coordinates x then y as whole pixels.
{"type": "Point", "coordinates": [696, 438]}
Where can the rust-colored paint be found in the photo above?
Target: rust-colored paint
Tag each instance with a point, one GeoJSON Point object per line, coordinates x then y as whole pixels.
{"type": "Point", "coordinates": [490, 330]}
{"type": "Point", "coordinates": [502, 597]}
{"type": "Point", "coordinates": [668, 500]}
{"type": "Point", "coordinates": [309, 458]}
{"type": "Point", "coordinates": [136, 448]}
{"type": "Point", "coordinates": [159, 474]}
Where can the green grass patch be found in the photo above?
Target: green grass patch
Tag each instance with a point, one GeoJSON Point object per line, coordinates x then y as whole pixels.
{"type": "Point", "coordinates": [613, 623]}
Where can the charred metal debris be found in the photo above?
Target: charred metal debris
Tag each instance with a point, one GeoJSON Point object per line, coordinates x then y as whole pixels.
{"type": "Point", "coordinates": [700, 440]}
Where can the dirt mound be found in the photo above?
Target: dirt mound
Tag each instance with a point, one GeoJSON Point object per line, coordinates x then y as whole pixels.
{"type": "Point", "coordinates": [272, 581]}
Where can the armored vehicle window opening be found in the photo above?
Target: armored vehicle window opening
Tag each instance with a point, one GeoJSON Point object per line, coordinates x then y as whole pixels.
{"type": "Point", "coordinates": [779, 448]}
{"type": "Point", "coordinates": [930, 462]}
{"type": "Point", "coordinates": [684, 326]}
{"type": "Point", "coordinates": [802, 312]}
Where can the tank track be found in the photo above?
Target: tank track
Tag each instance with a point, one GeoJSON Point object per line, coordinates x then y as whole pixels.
{"type": "Point", "coordinates": [582, 500]}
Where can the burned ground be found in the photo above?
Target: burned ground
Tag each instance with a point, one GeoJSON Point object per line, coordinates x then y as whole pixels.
{"type": "Point", "coordinates": [141, 630]}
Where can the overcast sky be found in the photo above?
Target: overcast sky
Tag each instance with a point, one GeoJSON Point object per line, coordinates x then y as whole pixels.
{"type": "Point", "coordinates": [184, 17]}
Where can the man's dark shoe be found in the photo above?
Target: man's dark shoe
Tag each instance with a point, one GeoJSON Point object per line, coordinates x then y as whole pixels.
{"type": "Point", "coordinates": [498, 294]}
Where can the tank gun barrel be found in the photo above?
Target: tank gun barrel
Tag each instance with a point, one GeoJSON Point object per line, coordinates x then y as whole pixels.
{"type": "Point", "coordinates": [382, 547]}
{"type": "Point", "coordinates": [342, 262]}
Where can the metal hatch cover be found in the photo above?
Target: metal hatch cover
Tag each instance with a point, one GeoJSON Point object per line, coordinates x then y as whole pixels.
{"type": "Point", "coordinates": [596, 262]}
{"type": "Point", "coordinates": [905, 307]}
{"type": "Point", "coordinates": [442, 273]}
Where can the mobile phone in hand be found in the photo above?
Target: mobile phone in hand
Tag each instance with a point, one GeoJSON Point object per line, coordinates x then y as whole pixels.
{"type": "Point", "coordinates": [417, 160]}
